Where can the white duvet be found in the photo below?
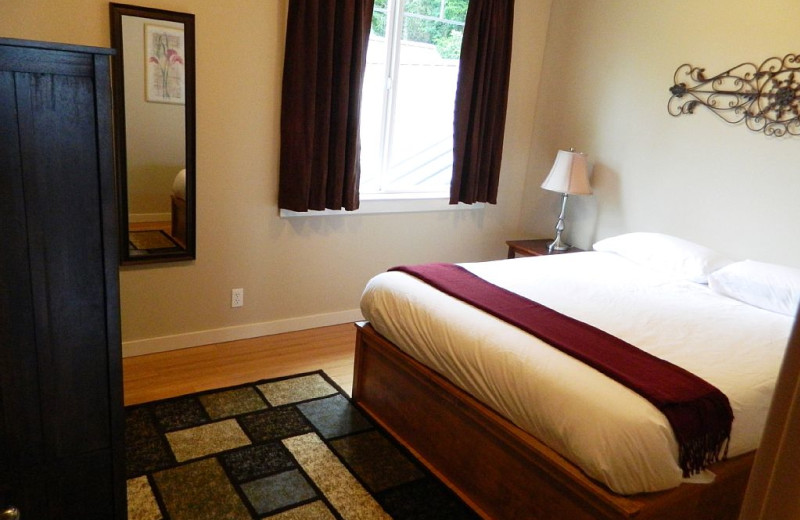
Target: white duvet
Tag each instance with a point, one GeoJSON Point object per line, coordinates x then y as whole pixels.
{"type": "Point", "coordinates": [612, 433]}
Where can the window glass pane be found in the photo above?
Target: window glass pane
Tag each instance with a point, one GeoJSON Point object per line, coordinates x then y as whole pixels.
{"type": "Point", "coordinates": [407, 130]}
{"type": "Point", "coordinates": [421, 147]}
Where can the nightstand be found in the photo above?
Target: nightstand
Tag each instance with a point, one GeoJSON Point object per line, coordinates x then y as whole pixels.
{"type": "Point", "coordinates": [536, 247]}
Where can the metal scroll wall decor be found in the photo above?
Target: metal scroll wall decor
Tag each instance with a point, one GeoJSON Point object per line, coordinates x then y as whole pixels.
{"type": "Point", "coordinates": [765, 97]}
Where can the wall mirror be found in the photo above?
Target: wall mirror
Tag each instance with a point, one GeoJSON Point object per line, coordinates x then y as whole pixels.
{"type": "Point", "coordinates": [154, 132]}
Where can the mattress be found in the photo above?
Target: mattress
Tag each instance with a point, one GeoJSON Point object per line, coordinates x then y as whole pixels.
{"type": "Point", "coordinates": [610, 432]}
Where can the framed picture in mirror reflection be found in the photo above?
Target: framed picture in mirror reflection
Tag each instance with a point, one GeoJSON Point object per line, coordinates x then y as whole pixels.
{"type": "Point", "coordinates": [164, 64]}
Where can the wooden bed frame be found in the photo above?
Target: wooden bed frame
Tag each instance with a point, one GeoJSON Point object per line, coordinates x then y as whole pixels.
{"type": "Point", "coordinates": [178, 206]}
{"type": "Point", "coordinates": [500, 470]}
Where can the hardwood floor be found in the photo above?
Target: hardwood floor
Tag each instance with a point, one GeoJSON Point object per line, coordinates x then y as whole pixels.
{"type": "Point", "coordinates": [178, 372]}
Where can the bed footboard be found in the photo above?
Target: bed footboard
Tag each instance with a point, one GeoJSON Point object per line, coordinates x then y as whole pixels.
{"type": "Point", "coordinates": [498, 469]}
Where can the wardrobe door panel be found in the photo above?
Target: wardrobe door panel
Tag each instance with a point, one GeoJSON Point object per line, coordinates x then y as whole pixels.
{"type": "Point", "coordinates": [58, 139]}
{"type": "Point", "coordinates": [20, 426]}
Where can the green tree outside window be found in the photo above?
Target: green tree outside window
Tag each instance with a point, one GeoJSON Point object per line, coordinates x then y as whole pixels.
{"type": "Point", "coordinates": [428, 21]}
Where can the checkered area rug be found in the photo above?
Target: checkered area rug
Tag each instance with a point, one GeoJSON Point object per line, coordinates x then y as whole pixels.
{"type": "Point", "coordinates": [285, 449]}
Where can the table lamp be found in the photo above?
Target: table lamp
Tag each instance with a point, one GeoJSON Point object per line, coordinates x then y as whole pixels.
{"type": "Point", "coordinates": [568, 176]}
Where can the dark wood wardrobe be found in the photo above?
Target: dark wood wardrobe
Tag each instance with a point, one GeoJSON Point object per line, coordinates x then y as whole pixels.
{"type": "Point", "coordinates": [61, 411]}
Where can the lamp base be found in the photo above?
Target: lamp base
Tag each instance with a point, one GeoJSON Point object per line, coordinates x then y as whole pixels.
{"type": "Point", "coordinates": [557, 245]}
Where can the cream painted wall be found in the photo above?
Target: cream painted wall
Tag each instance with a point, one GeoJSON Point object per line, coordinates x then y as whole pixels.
{"type": "Point", "coordinates": [608, 67]}
{"type": "Point", "coordinates": [295, 272]}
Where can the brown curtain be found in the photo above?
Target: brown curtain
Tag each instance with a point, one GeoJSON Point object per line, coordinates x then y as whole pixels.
{"type": "Point", "coordinates": [326, 47]}
{"type": "Point", "coordinates": [481, 99]}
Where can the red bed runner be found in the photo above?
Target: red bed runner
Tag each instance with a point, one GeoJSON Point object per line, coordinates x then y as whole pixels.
{"type": "Point", "coordinates": [699, 413]}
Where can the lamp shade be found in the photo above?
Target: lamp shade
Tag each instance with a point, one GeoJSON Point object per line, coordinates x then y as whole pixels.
{"type": "Point", "coordinates": [569, 174]}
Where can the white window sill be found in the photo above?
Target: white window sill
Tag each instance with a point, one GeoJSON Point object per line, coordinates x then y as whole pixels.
{"type": "Point", "coordinates": [405, 203]}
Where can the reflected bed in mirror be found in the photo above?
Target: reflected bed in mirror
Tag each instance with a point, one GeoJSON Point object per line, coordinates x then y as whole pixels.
{"type": "Point", "coordinates": [154, 131]}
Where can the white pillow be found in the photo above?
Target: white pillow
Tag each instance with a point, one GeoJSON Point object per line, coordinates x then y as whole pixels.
{"type": "Point", "coordinates": [768, 286]}
{"type": "Point", "coordinates": [672, 256]}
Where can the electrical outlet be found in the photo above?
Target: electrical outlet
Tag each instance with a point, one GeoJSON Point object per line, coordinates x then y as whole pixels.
{"type": "Point", "coordinates": [237, 297]}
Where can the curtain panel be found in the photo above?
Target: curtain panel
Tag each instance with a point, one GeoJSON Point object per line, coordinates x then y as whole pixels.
{"type": "Point", "coordinates": [481, 101]}
{"type": "Point", "coordinates": [323, 70]}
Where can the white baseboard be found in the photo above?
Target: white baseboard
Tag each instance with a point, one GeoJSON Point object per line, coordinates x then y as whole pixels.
{"type": "Point", "coordinates": [140, 347]}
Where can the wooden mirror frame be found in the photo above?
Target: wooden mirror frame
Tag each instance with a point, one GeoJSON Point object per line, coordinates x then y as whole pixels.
{"type": "Point", "coordinates": [117, 11]}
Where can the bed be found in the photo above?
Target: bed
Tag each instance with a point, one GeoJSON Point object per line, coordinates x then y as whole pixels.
{"type": "Point", "coordinates": [521, 430]}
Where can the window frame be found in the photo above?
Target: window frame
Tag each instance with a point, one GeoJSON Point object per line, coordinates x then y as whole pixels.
{"type": "Point", "coordinates": [386, 204]}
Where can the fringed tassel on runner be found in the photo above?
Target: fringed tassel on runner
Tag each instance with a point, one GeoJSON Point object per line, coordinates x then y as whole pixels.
{"type": "Point", "coordinates": [696, 456]}
{"type": "Point", "coordinates": [703, 432]}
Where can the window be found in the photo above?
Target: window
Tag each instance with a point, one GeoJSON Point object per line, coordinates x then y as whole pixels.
{"type": "Point", "coordinates": [408, 96]}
